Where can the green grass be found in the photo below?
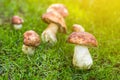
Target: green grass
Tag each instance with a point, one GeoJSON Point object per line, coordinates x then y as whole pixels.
{"type": "Point", "coordinates": [54, 62]}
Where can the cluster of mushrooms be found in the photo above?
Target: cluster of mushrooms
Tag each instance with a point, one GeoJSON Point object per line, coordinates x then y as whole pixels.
{"type": "Point", "coordinates": [54, 17]}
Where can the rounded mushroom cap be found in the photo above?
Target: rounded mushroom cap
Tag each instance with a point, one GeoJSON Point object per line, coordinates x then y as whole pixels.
{"type": "Point", "coordinates": [60, 8]}
{"type": "Point", "coordinates": [78, 28]}
{"type": "Point", "coordinates": [31, 38]}
{"type": "Point", "coordinates": [82, 38]}
{"type": "Point", "coordinates": [54, 17]}
{"type": "Point", "coordinates": [17, 20]}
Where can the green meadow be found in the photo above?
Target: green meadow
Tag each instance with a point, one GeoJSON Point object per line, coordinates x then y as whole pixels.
{"type": "Point", "coordinates": [54, 62]}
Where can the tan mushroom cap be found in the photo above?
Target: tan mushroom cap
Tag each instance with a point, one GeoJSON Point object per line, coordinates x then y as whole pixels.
{"type": "Point", "coordinates": [17, 20]}
{"type": "Point", "coordinates": [31, 38]}
{"type": "Point", "coordinates": [82, 38]}
{"type": "Point", "coordinates": [54, 17]}
{"type": "Point", "coordinates": [77, 28]}
{"type": "Point", "coordinates": [60, 8]}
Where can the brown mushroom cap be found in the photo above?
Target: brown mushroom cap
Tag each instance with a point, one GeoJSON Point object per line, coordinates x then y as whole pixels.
{"type": "Point", "coordinates": [31, 38]}
{"type": "Point", "coordinates": [78, 28]}
{"type": "Point", "coordinates": [82, 38]}
{"type": "Point", "coordinates": [17, 20]}
{"type": "Point", "coordinates": [54, 17]}
{"type": "Point", "coordinates": [60, 8]}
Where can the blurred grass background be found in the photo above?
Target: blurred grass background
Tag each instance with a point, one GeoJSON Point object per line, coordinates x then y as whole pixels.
{"type": "Point", "coordinates": [54, 62]}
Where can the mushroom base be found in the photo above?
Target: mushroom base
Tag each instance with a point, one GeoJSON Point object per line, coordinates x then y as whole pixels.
{"type": "Point", "coordinates": [28, 49]}
{"type": "Point", "coordinates": [82, 58]}
{"type": "Point", "coordinates": [17, 26]}
{"type": "Point", "coordinates": [49, 34]}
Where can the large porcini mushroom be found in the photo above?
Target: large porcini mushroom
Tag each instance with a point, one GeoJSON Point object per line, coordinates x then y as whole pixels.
{"type": "Point", "coordinates": [17, 22]}
{"type": "Point", "coordinates": [60, 8]}
{"type": "Point", "coordinates": [77, 28]}
{"type": "Point", "coordinates": [31, 41]}
{"type": "Point", "coordinates": [56, 22]}
{"type": "Point", "coordinates": [82, 58]}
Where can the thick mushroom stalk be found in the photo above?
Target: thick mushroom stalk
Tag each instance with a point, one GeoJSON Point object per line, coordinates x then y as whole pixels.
{"type": "Point", "coordinates": [82, 58]}
{"type": "Point", "coordinates": [17, 26]}
{"type": "Point", "coordinates": [17, 22]}
{"type": "Point", "coordinates": [28, 49]}
{"type": "Point", "coordinates": [31, 41]}
{"type": "Point", "coordinates": [49, 34]}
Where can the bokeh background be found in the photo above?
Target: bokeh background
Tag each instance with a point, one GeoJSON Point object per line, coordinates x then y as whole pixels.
{"type": "Point", "coordinates": [54, 62]}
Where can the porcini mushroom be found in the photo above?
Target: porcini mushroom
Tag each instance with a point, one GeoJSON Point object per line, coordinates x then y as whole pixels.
{"type": "Point", "coordinates": [56, 22]}
{"type": "Point", "coordinates": [31, 41]}
{"type": "Point", "coordinates": [60, 8]}
{"type": "Point", "coordinates": [17, 22]}
{"type": "Point", "coordinates": [77, 28]}
{"type": "Point", "coordinates": [82, 58]}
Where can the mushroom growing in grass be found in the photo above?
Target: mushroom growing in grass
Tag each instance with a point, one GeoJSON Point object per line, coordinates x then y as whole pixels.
{"type": "Point", "coordinates": [56, 22]}
{"type": "Point", "coordinates": [31, 41]}
{"type": "Point", "coordinates": [77, 28]}
{"type": "Point", "coordinates": [82, 58]}
{"type": "Point", "coordinates": [60, 8]}
{"type": "Point", "coordinates": [17, 22]}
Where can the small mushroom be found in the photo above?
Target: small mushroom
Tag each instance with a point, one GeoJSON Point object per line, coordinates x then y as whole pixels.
{"type": "Point", "coordinates": [60, 8]}
{"type": "Point", "coordinates": [82, 58]}
{"type": "Point", "coordinates": [31, 41]}
{"type": "Point", "coordinates": [78, 28]}
{"type": "Point", "coordinates": [17, 22]}
{"type": "Point", "coordinates": [56, 22]}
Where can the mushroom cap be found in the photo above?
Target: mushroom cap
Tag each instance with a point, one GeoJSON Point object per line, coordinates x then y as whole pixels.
{"type": "Point", "coordinates": [31, 38]}
{"type": "Point", "coordinates": [60, 8]}
{"type": "Point", "coordinates": [17, 20]}
{"type": "Point", "coordinates": [82, 38]}
{"type": "Point", "coordinates": [54, 17]}
{"type": "Point", "coordinates": [78, 28]}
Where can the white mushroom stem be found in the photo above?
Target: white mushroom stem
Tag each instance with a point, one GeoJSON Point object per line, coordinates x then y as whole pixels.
{"type": "Point", "coordinates": [82, 58]}
{"type": "Point", "coordinates": [49, 34]}
{"type": "Point", "coordinates": [17, 26]}
{"type": "Point", "coordinates": [28, 49]}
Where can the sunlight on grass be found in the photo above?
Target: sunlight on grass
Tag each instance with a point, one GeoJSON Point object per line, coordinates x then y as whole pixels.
{"type": "Point", "coordinates": [54, 62]}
